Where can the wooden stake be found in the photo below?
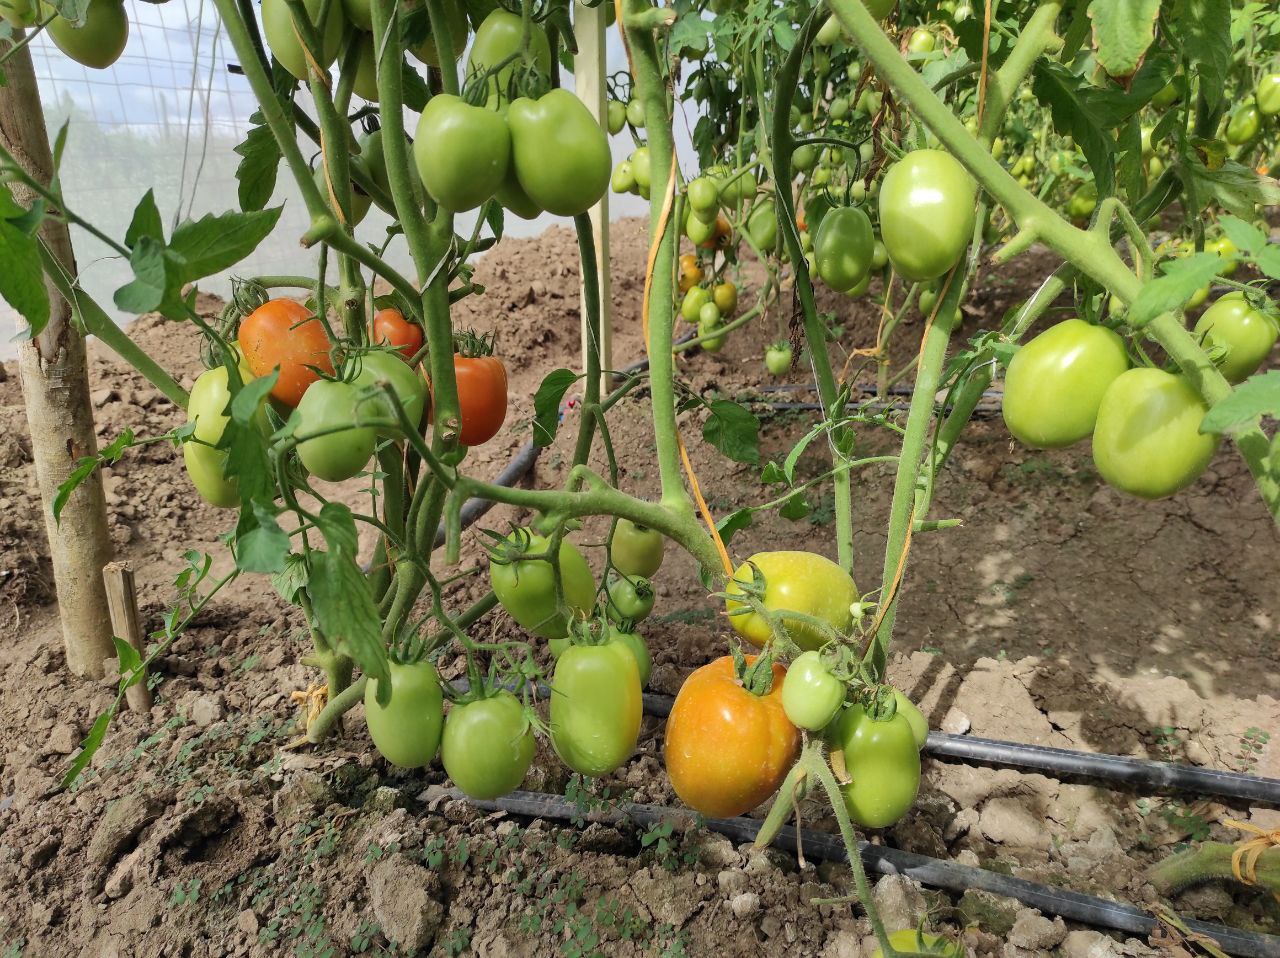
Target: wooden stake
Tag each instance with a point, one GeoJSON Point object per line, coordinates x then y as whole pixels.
{"type": "Point", "coordinates": [122, 597]}
{"type": "Point", "coordinates": [590, 71]}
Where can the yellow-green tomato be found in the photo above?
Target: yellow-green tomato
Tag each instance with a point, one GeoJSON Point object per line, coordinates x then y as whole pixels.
{"type": "Point", "coordinates": [1226, 251]}
{"type": "Point", "coordinates": [20, 13]}
{"type": "Point", "coordinates": [883, 764]}
{"type": "Point", "coordinates": [526, 587]}
{"type": "Point", "coordinates": [206, 465]}
{"type": "Point", "coordinates": [694, 300]}
{"type": "Point", "coordinates": [913, 940]}
{"type": "Point", "coordinates": [915, 718]}
{"type": "Point", "coordinates": [99, 40]}
{"type": "Point", "coordinates": [1245, 334]}
{"type": "Point", "coordinates": [283, 37]}
{"type": "Point", "coordinates": [1055, 383]}
{"type": "Point", "coordinates": [406, 730]}
{"type": "Point", "coordinates": [596, 707]}
{"type": "Point", "coordinates": [811, 695]}
{"type": "Point", "coordinates": [1147, 440]}
{"type": "Point", "coordinates": [488, 745]}
{"type": "Point", "coordinates": [802, 582]}
{"type": "Point", "coordinates": [636, 550]}
{"type": "Point", "coordinates": [927, 210]}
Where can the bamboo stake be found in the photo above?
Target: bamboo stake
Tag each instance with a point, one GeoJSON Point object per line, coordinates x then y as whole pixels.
{"type": "Point", "coordinates": [122, 597]}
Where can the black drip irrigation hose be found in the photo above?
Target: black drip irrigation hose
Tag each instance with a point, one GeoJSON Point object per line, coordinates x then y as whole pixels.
{"type": "Point", "coordinates": [934, 873]}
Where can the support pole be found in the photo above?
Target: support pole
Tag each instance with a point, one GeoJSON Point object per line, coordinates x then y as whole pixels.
{"type": "Point", "coordinates": [122, 597]}
{"type": "Point", "coordinates": [55, 390]}
{"type": "Point", "coordinates": [589, 72]}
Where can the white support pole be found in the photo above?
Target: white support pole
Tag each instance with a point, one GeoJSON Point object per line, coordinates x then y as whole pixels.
{"type": "Point", "coordinates": [590, 71]}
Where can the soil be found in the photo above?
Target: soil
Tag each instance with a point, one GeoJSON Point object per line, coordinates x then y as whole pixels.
{"type": "Point", "coordinates": [1059, 612]}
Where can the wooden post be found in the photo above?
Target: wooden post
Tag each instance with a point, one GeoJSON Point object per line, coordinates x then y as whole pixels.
{"type": "Point", "coordinates": [55, 390]}
{"type": "Point", "coordinates": [122, 597]}
{"type": "Point", "coordinates": [589, 72]}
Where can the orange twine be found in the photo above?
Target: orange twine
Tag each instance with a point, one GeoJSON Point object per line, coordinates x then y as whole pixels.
{"type": "Point", "coordinates": [1244, 860]}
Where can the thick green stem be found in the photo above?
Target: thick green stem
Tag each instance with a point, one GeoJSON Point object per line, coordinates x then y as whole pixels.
{"type": "Point", "coordinates": [593, 331]}
{"type": "Point", "coordinates": [646, 63]}
{"type": "Point", "coordinates": [1210, 862]}
{"type": "Point", "coordinates": [814, 330]}
{"type": "Point", "coordinates": [1090, 252]}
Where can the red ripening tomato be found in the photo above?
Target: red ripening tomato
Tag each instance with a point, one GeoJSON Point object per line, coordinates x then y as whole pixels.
{"type": "Point", "coordinates": [482, 397]}
{"type": "Point", "coordinates": [728, 750]}
{"type": "Point", "coordinates": [390, 328]}
{"type": "Point", "coordinates": [281, 334]}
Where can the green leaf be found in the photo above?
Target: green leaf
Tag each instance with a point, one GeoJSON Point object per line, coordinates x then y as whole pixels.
{"type": "Point", "coordinates": [416, 91]}
{"type": "Point", "coordinates": [734, 430]}
{"type": "Point", "coordinates": [346, 612]}
{"type": "Point", "coordinates": [1204, 29]}
{"type": "Point", "coordinates": [1172, 290]}
{"type": "Point", "coordinates": [214, 243]}
{"type": "Point", "coordinates": [546, 405]}
{"type": "Point", "coordinates": [292, 579]}
{"type": "Point", "coordinates": [86, 467]}
{"type": "Point", "coordinates": [795, 508]}
{"type": "Point", "coordinates": [1123, 30]}
{"type": "Point", "coordinates": [260, 544]}
{"type": "Point", "coordinates": [151, 282]}
{"type": "Point", "coordinates": [1246, 237]}
{"type": "Point", "coordinates": [1256, 396]}
{"type": "Point", "coordinates": [734, 523]}
{"type": "Point", "coordinates": [259, 166]}
{"type": "Point", "coordinates": [146, 221]}
{"type": "Point", "coordinates": [129, 660]}
{"type": "Point", "coordinates": [1069, 104]}
{"type": "Point", "coordinates": [688, 36]}
{"type": "Point", "coordinates": [88, 747]}
{"type": "Point", "coordinates": [1235, 187]}
{"type": "Point", "coordinates": [21, 275]}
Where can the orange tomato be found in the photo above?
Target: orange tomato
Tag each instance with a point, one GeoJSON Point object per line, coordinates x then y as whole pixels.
{"type": "Point", "coordinates": [801, 222]}
{"type": "Point", "coordinates": [390, 328]}
{"type": "Point", "coordinates": [285, 335]}
{"type": "Point", "coordinates": [728, 750]}
{"type": "Point", "coordinates": [691, 273]}
{"type": "Point", "coordinates": [720, 239]}
{"type": "Point", "coordinates": [482, 397]}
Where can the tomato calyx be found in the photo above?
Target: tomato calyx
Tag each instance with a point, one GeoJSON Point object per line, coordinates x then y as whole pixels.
{"type": "Point", "coordinates": [472, 345]}
{"type": "Point", "coordinates": [755, 676]}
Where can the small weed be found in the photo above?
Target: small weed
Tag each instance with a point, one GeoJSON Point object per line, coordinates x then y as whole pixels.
{"type": "Point", "coordinates": [666, 848]}
{"type": "Point", "coordinates": [376, 852]}
{"type": "Point", "coordinates": [457, 942]}
{"type": "Point", "coordinates": [185, 893]}
{"type": "Point", "coordinates": [1252, 742]}
{"type": "Point", "coordinates": [364, 936]}
{"type": "Point", "coordinates": [1168, 743]}
{"type": "Point", "coordinates": [14, 949]}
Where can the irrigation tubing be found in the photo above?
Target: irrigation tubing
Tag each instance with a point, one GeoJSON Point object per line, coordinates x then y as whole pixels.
{"type": "Point", "coordinates": [951, 876]}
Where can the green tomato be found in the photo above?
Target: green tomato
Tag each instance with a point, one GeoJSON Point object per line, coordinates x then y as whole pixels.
{"type": "Point", "coordinates": [206, 407]}
{"type": "Point", "coordinates": [1226, 251]}
{"type": "Point", "coordinates": [360, 201]}
{"type": "Point", "coordinates": [617, 116]}
{"type": "Point", "coordinates": [1055, 383]}
{"type": "Point", "coordinates": [1244, 334]}
{"type": "Point", "coordinates": [282, 37]}
{"type": "Point", "coordinates": [513, 197]}
{"type": "Point", "coordinates": [337, 455]}
{"type": "Point", "coordinates": [870, 101]}
{"type": "Point", "coordinates": [561, 155]}
{"type": "Point", "coordinates": [596, 707]}
{"type": "Point", "coordinates": [796, 582]}
{"type": "Point", "coordinates": [360, 13]}
{"type": "Point", "coordinates": [811, 695]}
{"type": "Point", "coordinates": [913, 940]}
{"type": "Point", "coordinates": [713, 343]}
{"type": "Point", "coordinates": [456, 16]}
{"type": "Point", "coordinates": [704, 195]}
{"type": "Point", "coordinates": [861, 288]}
{"type": "Point", "coordinates": [366, 81]}
{"type": "Point", "coordinates": [406, 383]}
{"type": "Point", "coordinates": [499, 39]}
{"type": "Point", "coordinates": [206, 468]}
{"type": "Point", "coordinates": [1147, 441]}
{"type": "Point", "coordinates": [804, 158]}
{"type": "Point", "coordinates": [636, 550]}
{"type": "Point", "coordinates": [1168, 94]}
{"type": "Point", "coordinates": [915, 718]}
{"type": "Point", "coordinates": [734, 191]}
{"type": "Point", "coordinates": [373, 158]}
{"type": "Point", "coordinates": [843, 247]}
{"type": "Point", "coordinates": [1083, 202]}
{"type": "Point", "coordinates": [880, 8]}
{"type": "Point", "coordinates": [922, 41]}
{"type": "Point", "coordinates": [1268, 94]}
{"type": "Point", "coordinates": [623, 180]}
{"type": "Point", "coordinates": [488, 745]}
{"type": "Point", "coordinates": [406, 731]}
{"type": "Point", "coordinates": [100, 39]}
{"type": "Point", "coordinates": [526, 587]}
{"type": "Point", "coordinates": [21, 14]}
{"type": "Point", "coordinates": [709, 315]}
{"type": "Point", "coordinates": [628, 599]}
{"type": "Point", "coordinates": [927, 211]}
{"type": "Point", "coordinates": [762, 225]}
{"type": "Point", "coordinates": [839, 108]}
{"type": "Point", "coordinates": [777, 358]}
{"type": "Point", "coordinates": [694, 300]}
{"type": "Point", "coordinates": [462, 152]}
{"type": "Point", "coordinates": [635, 113]}
{"type": "Point", "coordinates": [828, 33]}
{"type": "Point", "coordinates": [879, 256]}
{"type": "Point", "coordinates": [883, 764]}
{"type": "Point", "coordinates": [639, 651]}
{"type": "Point", "coordinates": [640, 166]}
{"type": "Point", "coordinates": [1244, 125]}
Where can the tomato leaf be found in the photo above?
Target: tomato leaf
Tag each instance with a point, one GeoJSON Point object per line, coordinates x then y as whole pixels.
{"type": "Point", "coordinates": [546, 405]}
{"type": "Point", "coordinates": [214, 243]}
{"type": "Point", "coordinates": [151, 278]}
{"type": "Point", "coordinates": [260, 544]}
{"type": "Point", "coordinates": [795, 508]}
{"type": "Point", "coordinates": [1256, 396]}
{"type": "Point", "coordinates": [1246, 237]}
{"type": "Point", "coordinates": [1123, 30]}
{"type": "Point", "coordinates": [259, 165]}
{"type": "Point", "coordinates": [1172, 290]}
{"type": "Point", "coordinates": [1069, 103]}
{"type": "Point", "coordinates": [88, 747]}
{"type": "Point", "coordinates": [1234, 186]}
{"type": "Point", "coordinates": [734, 523]}
{"type": "Point", "coordinates": [146, 221]}
{"type": "Point", "coordinates": [21, 275]}
{"type": "Point", "coordinates": [292, 579]}
{"type": "Point", "coordinates": [416, 91]}
{"type": "Point", "coordinates": [86, 467]}
{"type": "Point", "coordinates": [1204, 29]}
{"type": "Point", "coordinates": [734, 430]}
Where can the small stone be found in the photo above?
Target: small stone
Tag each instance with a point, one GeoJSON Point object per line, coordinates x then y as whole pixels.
{"type": "Point", "coordinates": [63, 740]}
{"type": "Point", "coordinates": [207, 709]}
{"type": "Point", "coordinates": [1033, 931]}
{"type": "Point", "coordinates": [899, 901]}
{"type": "Point", "coordinates": [247, 922]}
{"type": "Point", "coordinates": [955, 722]}
{"type": "Point", "coordinates": [732, 880]}
{"type": "Point", "coordinates": [120, 826]}
{"type": "Point", "coordinates": [961, 824]}
{"type": "Point", "coordinates": [1104, 839]}
{"type": "Point", "coordinates": [842, 944]}
{"type": "Point", "coordinates": [405, 899]}
{"type": "Point", "coordinates": [715, 850]}
{"type": "Point", "coordinates": [992, 913]}
{"type": "Point", "coordinates": [1006, 821]}
{"type": "Point", "coordinates": [1089, 944]}
{"type": "Point", "coordinates": [744, 904]}
{"type": "Point", "coordinates": [302, 795]}
{"type": "Point", "coordinates": [383, 799]}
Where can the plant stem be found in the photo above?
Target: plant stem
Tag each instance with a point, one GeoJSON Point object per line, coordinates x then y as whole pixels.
{"type": "Point", "coordinates": [1210, 861]}
{"type": "Point", "coordinates": [591, 305]}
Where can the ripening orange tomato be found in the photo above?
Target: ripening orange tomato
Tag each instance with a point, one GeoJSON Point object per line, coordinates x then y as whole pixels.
{"type": "Point", "coordinates": [390, 328]}
{"type": "Point", "coordinates": [482, 397]}
{"type": "Point", "coordinates": [285, 335]}
{"type": "Point", "coordinates": [728, 750]}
